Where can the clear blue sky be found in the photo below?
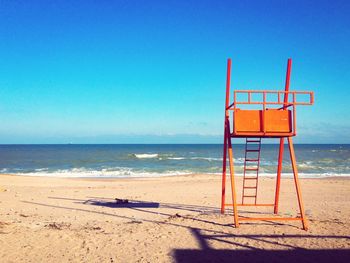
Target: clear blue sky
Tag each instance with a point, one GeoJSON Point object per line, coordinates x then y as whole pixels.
{"type": "Point", "coordinates": [154, 71]}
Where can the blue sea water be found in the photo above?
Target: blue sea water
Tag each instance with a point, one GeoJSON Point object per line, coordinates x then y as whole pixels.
{"type": "Point", "coordinates": [314, 160]}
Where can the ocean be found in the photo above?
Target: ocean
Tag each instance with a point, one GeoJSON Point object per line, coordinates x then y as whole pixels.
{"type": "Point", "coordinates": [153, 160]}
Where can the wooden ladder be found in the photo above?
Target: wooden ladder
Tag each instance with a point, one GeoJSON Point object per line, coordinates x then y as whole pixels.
{"type": "Point", "coordinates": [251, 169]}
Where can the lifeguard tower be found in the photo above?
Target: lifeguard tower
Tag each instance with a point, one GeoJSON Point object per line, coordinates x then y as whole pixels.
{"type": "Point", "coordinates": [253, 120]}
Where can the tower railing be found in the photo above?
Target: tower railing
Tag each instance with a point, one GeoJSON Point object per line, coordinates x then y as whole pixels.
{"type": "Point", "coordinates": [279, 101]}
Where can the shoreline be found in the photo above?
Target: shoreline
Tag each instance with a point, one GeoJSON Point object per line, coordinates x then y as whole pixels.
{"type": "Point", "coordinates": [105, 178]}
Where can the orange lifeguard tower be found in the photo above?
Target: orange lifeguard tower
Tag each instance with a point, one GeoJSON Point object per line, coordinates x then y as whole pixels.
{"type": "Point", "coordinates": [253, 121]}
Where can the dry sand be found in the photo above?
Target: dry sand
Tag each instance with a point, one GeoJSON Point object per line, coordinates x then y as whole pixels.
{"type": "Point", "coordinates": [172, 219]}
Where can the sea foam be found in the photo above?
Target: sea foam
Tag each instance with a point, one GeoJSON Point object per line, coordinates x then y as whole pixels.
{"type": "Point", "coordinates": [121, 172]}
{"type": "Point", "coordinates": [146, 155]}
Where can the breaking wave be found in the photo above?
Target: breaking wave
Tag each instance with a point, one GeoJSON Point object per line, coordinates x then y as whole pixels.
{"type": "Point", "coordinates": [146, 155]}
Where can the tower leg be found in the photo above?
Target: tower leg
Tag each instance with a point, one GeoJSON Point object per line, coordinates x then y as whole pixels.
{"type": "Point", "coordinates": [279, 171]}
{"type": "Point", "coordinates": [226, 134]}
{"type": "Point", "coordinates": [296, 181]}
{"type": "Point", "coordinates": [223, 189]}
{"type": "Point", "coordinates": [232, 175]}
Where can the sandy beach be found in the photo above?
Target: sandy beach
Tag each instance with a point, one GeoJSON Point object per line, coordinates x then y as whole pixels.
{"type": "Point", "coordinates": [169, 219]}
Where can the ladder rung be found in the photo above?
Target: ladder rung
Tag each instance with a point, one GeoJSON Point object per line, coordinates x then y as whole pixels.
{"type": "Point", "coordinates": [251, 160]}
{"type": "Point", "coordinates": [257, 150]}
{"type": "Point", "coordinates": [249, 195]}
{"type": "Point", "coordinates": [250, 178]}
{"type": "Point", "coordinates": [254, 141]}
{"type": "Point", "coordinates": [251, 169]}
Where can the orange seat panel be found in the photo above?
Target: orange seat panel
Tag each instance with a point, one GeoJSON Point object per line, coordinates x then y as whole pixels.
{"type": "Point", "coordinates": [278, 120]}
{"type": "Point", "coordinates": [247, 120]}
{"type": "Point", "coordinates": [253, 121]}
